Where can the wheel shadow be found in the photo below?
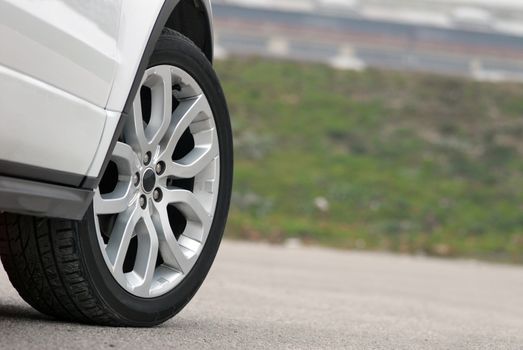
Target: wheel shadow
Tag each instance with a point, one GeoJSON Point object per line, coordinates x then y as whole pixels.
{"type": "Point", "coordinates": [25, 315]}
{"type": "Point", "coordinates": [21, 313]}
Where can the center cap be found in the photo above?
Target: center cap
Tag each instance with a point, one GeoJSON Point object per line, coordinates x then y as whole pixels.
{"type": "Point", "coordinates": [149, 180]}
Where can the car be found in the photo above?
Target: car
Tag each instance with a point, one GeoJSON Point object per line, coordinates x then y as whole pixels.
{"type": "Point", "coordinates": [116, 156]}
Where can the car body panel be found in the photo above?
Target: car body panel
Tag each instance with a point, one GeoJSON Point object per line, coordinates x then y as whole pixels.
{"type": "Point", "coordinates": [138, 19]}
{"type": "Point", "coordinates": [67, 73]}
{"type": "Point", "coordinates": [57, 68]}
{"type": "Point", "coordinates": [65, 44]}
{"type": "Point", "coordinates": [46, 127]}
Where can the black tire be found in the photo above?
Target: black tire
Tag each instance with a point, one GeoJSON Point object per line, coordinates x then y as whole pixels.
{"type": "Point", "coordinates": [57, 266]}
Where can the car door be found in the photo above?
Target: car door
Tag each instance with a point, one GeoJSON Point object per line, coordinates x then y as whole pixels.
{"type": "Point", "coordinates": [57, 64]}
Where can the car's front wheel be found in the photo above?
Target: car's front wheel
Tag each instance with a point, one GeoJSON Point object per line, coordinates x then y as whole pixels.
{"type": "Point", "coordinates": [157, 217]}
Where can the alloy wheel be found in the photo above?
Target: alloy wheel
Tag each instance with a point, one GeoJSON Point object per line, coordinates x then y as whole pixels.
{"type": "Point", "coordinates": [155, 204]}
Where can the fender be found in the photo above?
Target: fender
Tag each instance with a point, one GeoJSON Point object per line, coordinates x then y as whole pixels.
{"type": "Point", "coordinates": [193, 18]}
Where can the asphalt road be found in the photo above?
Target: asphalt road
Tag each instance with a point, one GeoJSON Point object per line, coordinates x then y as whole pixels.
{"type": "Point", "coordinates": [261, 296]}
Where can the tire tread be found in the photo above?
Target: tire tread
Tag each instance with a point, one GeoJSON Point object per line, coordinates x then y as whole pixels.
{"type": "Point", "coordinates": [40, 258]}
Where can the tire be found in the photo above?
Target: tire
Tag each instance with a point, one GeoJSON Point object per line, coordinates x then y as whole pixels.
{"type": "Point", "coordinates": [63, 268]}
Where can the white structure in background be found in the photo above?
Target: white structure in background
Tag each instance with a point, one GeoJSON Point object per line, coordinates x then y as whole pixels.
{"type": "Point", "coordinates": [220, 53]}
{"type": "Point", "coordinates": [289, 5]}
{"type": "Point", "coordinates": [347, 59]}
{"type": "Point", "coordinates": [419, 18]}
{"type": "Point", "coordinates": [338, 5]}
{"type": "Point", "coordinates": [278, 46]}
{"type": "Point", "coordinates": [472, 16]}
{"type": "Point", "coordinates": [499, 15]}
{"type": "Point", "coordinates": [478, 72]}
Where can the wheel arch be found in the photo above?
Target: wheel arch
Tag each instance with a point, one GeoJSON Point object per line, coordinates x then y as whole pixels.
{"type": "Point", "coordinates": [193, 18]}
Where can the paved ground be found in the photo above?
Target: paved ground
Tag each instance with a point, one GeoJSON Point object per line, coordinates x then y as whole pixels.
{"type": "Point", "coordinates": [260, 296]}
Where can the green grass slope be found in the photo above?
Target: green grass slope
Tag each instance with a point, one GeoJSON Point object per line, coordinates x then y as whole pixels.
{"type": "Point", "coordinates": [376, 160]}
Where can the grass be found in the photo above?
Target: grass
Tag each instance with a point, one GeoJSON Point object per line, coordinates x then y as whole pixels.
{"type": "Point", "coordinates": [376, 160]}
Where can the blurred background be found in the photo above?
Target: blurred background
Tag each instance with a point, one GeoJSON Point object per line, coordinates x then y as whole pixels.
{"type": "Point", "coordinates": [389, 125]}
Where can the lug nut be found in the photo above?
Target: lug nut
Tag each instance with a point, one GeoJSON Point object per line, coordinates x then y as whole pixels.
{"type": "Point", "coordinates": [147, 158]}
{"type": "Point", "coordinates": [136, 179]}
{"type": "Point", "coordinates": [160, 167]}
{"type": "Point", "coordinates": [157, 194]}
{"type": "Point", "coordinates": [143, 202]}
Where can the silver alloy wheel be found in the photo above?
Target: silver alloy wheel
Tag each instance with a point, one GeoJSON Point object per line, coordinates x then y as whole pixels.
{"type": "Point", "coordinates": [146, 187]}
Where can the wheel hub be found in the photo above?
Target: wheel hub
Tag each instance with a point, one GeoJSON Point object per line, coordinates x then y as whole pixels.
{"type": "Point", "coordinates": [149, 180]}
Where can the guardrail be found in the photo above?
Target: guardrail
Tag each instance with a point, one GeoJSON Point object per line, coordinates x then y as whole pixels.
{"type": "Point", "coordinates": [356, 42]}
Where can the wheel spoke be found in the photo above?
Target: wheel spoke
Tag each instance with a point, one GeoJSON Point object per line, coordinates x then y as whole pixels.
{"type": "Point", "coordinates": [194, 162]}
{"type": "Point", "coordinates": [190, 206]}
{"type": "Point", "coordinates": [161, 109]}
{"type": "Point", "coordinates": [125, 158]}
{"type": "Point", "coordinates": [134, 131]}
{"type": "Point", "coordinates": [113, 205]}
{"type": "Point", "coordinates": [146, 255]}
{"type": "Point", "coordinates": [172, 253]}
{"type": "Point", "coordinates": [121, 237]}
{"type": "Point", "coordinates": [122, 195]}
{"type": "Point", "coordinates": [186, 112]}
